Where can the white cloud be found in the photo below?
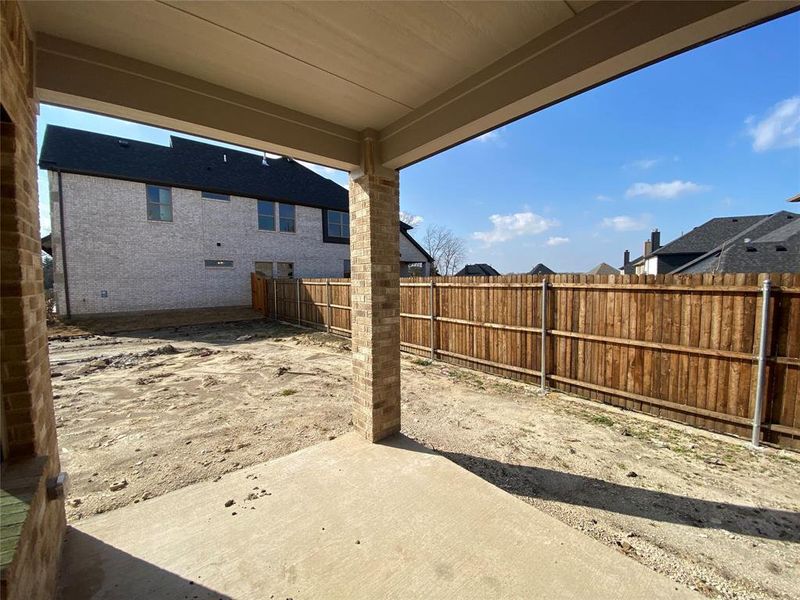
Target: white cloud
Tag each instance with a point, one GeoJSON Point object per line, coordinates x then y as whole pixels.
{"type": "Point", "coordinates": [410, 219]}
{"type": "Point", "coordinates": [489, 136]}
{"type": "Point", "coordinates": [626, 223]}
{"type": "Point", "coordinates": [643, 164]}
{"type": "Point", "coordinates": [506, 227]}
{"type": "Point", "coordinates": [603, 198]}
{"type": "Point", "coordinates": [664, 189]}
{"type": "Point", "coordinates": [557, 241]}
{"type": "Point", "coordinates": [779, 129]}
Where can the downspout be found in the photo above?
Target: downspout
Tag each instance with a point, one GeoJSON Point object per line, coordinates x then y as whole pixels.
{"type": "Point", "coordinates": [63, 243]}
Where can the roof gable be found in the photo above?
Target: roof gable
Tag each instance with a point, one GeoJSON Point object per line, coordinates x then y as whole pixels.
{"type": "Point", "coordinates": [541, 269]}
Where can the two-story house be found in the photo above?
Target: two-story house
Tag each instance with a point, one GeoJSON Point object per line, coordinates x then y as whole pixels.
{"type": "Point", "coordinates": [139, 226]}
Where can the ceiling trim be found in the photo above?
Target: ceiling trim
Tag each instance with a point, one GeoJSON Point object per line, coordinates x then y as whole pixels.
{"type": "Point", "coordinates": [622, 36]}
{"type": "Point", "coordinates": [87, 78]}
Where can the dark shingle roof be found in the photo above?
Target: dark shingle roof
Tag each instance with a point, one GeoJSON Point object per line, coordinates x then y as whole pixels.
{"type": "Point", "coordinates": [478, 269]}
{"type": "Point", "coordinates": [541, 269]}
{"type": "Point", "coordinates": [709, 235]}
{"type": "Point", "coordinates": [188, 164]}
{"type": "Point", "coordinates": [603, 269]}
{"type": "Point", "coordinates": [771, 245]}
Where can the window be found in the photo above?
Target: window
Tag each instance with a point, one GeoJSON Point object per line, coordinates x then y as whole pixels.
{"type": "Point", "coordinates": [338, 224]}
{"type": "Point", "coordinates": [264, 268]}
{"type": "Point", "coordinates": [285, 269]}
{"type": "Point", "coordinates": [287, 217]}
{"type": "Point", "coordinates": [213, 196]}
{"type": "Point", "coordinates": [159, 203]}
{"type": "Point", "coordinates": [266, 215]}
{"type": "Point", "coordinates": [346, 267]}
{"type": "Point", "coordinates": [219, 264]}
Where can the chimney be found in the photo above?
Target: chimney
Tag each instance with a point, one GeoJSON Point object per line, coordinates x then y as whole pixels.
{"type": "Point", "coordinates": [627, 258]}
{"type": "Point", "coordinates": [655, 240]}
{"type": "Point", "coordinates": [647, 246]}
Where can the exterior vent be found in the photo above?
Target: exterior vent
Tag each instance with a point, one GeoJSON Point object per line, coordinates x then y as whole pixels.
{"type": "Point", "coordinates": [780, 248]}
{"type": "Point", "coordinates": [751, 249]}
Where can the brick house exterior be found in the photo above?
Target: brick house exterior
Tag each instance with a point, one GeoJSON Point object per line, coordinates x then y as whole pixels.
{"type": "Point", "coordinates": [221, 224]}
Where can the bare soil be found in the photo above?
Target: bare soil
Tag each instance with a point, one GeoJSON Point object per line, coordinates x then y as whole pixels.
{"type": "Point", "coordinates": [142, 413]}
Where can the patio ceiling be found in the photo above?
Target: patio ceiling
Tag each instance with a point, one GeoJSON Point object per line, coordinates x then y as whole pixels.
{"type": "Point", "coordinates": [306, 78]}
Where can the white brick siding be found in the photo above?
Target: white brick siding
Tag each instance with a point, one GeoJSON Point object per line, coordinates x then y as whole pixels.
{"type": "Point", "coordinates": [146, 265]}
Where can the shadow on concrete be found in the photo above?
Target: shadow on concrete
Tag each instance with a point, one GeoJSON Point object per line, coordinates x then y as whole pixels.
{"type": "Point", "coordinates": [91, 568]}
{"type": "Point", "coordinates": [547, 484]}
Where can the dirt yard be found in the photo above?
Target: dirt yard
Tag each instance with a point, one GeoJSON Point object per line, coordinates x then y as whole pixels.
{"type": "Point", "coordinates": [141, 414]}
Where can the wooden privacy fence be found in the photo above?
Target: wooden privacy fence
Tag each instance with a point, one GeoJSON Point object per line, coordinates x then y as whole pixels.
{"type": "Point", "coordinates": [682, 347]}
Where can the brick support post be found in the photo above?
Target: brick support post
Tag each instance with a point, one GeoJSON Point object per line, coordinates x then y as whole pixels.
{"type": "Point", "coordinates": [28, 422]}
{"type": "Point", "coordinates": [375, 295]}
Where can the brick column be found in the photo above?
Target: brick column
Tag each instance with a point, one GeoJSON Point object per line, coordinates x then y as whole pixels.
{"type": "Point", "coordinates": [375, 295]}
{"type": "Point", "coordinates": [30, 448]}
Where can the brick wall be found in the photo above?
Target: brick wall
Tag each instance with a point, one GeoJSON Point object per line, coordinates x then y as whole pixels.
{"type": "Point", "coordinates": [145, 265]}
{"type": "Point", "coordinates": [27, 403]}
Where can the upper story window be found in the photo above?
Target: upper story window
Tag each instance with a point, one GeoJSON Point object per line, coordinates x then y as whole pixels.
{"type": "Point", "coordinates": [159, 203]}
{"type": "Point", "coordinates": [272, 214]}
{"type": "Point", "coordinates": [338, 224]}
{"type": "Point", "coordinates": [286, 217]}
{"type": "Point", "coordinates": [266, 215]}
{"type": "Point", "coordinates": [213, 196]}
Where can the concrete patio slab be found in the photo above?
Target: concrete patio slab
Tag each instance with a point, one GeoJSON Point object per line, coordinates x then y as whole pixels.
{"type": "Point", "coordinates": [346, 519]}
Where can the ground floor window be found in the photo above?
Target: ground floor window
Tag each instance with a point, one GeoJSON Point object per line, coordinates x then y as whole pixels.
{"type": "Point", "coordinates": [264, 268]}
{"type": "Point", "coordinates": [346, 268]}
{"type": "Point", "coordinates": [285, 269]}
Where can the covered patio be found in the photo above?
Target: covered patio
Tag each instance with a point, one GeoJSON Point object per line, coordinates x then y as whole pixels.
{"type": "Point", "coordinates": [365, 87]}
{"type": "Point", "coordinates": [345, 519]}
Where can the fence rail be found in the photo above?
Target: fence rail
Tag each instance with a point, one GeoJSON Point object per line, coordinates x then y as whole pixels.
{"type": "Point", "coordinates": [684, 348]}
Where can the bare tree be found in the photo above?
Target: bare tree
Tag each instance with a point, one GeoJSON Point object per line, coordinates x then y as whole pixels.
{"type": "Point", "coordinates": [448, 250]}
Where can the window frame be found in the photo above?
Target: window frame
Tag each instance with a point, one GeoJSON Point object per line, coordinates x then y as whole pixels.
{"type": "Point", "coordinates": [271, 264]}
{"type": "Point", "coordinates": [284, 262]}
{"type": "Point", "coordinates": [149, 202]}
{"type": "Point", "coordinates": [281, 218]}
{"type": "Point", "coordinates": [327, 237]}
{"type": "Point", "coordinates": [205, 195]}
{"type": "Point", "coordinates": [259, 214]}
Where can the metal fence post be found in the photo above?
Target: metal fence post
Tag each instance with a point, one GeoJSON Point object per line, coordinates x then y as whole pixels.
{"type": "Point", "coordinates": [433, 321]}
{"type": "Point", "coordinates": [299, 321]}
{"type": "Point", "coordinates": [543, 374]}
{"type": "Point", "coordinates": [762, 359]}
{"type": "Point", "coordinates": [328, 301]}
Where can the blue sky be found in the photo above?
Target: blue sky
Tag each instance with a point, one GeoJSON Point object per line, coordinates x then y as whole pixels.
{"type": "Point", "coordinates": [712, 132]}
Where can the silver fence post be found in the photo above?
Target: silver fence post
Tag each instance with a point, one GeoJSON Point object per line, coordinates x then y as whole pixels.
{"type": "Point", "coordinates": [328, 301]}
{"type": "Point", "coordinates": [543, 374]}
{"type": "Point", "coordinates": [762, 360]}
{"type": "Point", "coordinates": [299, 321]}
{"type": "Point", "coordinates": [433, 322]}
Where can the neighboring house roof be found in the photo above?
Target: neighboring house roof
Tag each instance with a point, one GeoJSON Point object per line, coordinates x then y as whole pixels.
{"type": "Point", "coordinates": [478, 269]}
{"type": "Point", "coordinates": [188, 164]}
{"type": "Point", "coordinates": [47, 244]}
{"type": "Point", "coordinates": [541, 269]}
{"type": "Point", "coordinates": [772, 244]}
{"type": "Point", "coordinates": [404, 229]}
{"type": "Point", "coordinates": [709, 235]}
{"type": "Point", "coordinates": [603, 269]}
